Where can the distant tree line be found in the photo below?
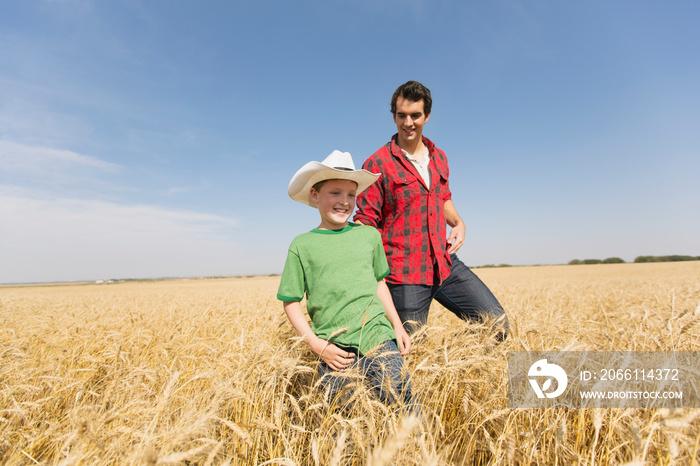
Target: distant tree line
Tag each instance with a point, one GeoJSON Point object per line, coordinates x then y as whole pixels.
{"type": "Point", "coordinates": [617, 260]}
{"type": "Point", "coordinates": [666, 258]}
{"type": "Point", "coordinates": [609, 260]}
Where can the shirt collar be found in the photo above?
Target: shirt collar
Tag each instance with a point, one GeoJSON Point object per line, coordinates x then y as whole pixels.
{"type": "Point", "coordinates": [398, 151]}
{"type": "Point", "coordinates": [426, 156]}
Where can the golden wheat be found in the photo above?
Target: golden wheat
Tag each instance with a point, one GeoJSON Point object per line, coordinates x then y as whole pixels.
{"type": "Point", "coordinates": [211, 372]}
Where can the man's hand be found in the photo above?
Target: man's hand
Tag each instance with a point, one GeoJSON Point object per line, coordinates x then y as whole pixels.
{"type": "Point", "coordinates": [459, 229]}
{"type": "Point", "coordinates": [456, 238]}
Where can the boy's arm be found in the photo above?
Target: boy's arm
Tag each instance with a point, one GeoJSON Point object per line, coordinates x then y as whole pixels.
{"type": "Point", "coordinates": [336, 358]}
{"type": "Point", "coordinates": [401, 336]}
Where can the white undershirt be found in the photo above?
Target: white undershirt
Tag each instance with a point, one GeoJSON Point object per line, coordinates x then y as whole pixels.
{"type": "Point", "coordinates": [422, 167]}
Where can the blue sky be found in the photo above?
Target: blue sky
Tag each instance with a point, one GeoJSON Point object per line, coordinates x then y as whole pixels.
{"type": "Point", "coordinates": [156, 138]}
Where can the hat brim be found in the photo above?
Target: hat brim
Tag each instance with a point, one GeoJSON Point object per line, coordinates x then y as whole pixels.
{"type": "Point", "coordinates": [313, 172]}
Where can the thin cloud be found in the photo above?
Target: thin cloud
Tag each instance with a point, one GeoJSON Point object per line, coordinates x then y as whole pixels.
{"type": "Point", "coordinates": [48, 239]}
{"type": "Point", "coordinates": [25, 159]}
{"type": "Point", "coordinates": [95, 218]}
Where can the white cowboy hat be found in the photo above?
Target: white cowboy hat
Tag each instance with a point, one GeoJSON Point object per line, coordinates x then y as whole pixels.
{"type": "Point", "coordinates": [338, 165]}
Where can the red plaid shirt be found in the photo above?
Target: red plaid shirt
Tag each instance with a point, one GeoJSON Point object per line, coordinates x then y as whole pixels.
{"type": "Point", "coordinates": [409, 216]}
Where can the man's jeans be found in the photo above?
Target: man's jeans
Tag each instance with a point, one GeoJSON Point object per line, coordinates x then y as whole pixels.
{"type": "Point", "coordinates": [381, 370]}
{"type": "Point", "coordinates": [463, 293]}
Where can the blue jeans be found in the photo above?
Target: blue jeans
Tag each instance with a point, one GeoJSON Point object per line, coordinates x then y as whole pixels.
{"type": "Point", "coordinates": [382, 371]}
{"type": "Point", "coordinates": [463, 293]}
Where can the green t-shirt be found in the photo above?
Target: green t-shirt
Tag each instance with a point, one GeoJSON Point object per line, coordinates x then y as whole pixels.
{"type": "Point", "coordinates": [338, 270]}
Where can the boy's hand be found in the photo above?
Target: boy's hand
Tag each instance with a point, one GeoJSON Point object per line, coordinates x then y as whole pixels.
{"type": "Point", "coordinates": [404, 340]}
{"type": "Point", "coordinates": [336, 358]}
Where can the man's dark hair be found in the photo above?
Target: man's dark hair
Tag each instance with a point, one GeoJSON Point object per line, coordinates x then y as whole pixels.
{"type": "Point", "coordinates": [415, 92]}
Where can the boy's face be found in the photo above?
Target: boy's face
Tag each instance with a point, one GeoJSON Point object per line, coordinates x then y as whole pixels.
{"type": "Point", "coordinates": [336, 202]}
{"type": "Point", "coordinates": [409, 119]}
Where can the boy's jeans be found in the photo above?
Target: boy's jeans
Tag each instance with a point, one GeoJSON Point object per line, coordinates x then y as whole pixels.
{"type": "Point", "coordinates": [382, 370]}
{"type": "Point", "coordinates": [462, 293]}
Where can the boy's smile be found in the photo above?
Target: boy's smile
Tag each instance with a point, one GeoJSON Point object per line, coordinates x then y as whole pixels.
{"type": "Point", "coordinates": [336, 202]}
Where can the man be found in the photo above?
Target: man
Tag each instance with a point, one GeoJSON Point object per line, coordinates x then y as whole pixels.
{"type": "Point", "coordinates": [411, 205]}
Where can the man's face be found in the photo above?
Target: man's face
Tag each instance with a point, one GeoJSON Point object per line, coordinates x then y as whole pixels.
{"type": "Point", "coordinates": [336, 202]}
{"type": "Point", "coordinates": [409, 119]}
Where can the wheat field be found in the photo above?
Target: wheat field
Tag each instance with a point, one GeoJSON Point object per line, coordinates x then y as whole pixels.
{"type": "Point", "coordinates": [210, 372]}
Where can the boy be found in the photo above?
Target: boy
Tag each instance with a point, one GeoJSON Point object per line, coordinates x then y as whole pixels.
{"type": "Point", "coordinates": [341, 267]}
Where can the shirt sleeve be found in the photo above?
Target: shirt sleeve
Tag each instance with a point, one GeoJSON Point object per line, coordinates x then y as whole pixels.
{"type": "Point", "coordinates": [446, 193]}
{"type": "Point", "coordinates": [444, 173]}
{"type": "Point", "coordinates": [292, 286]}
{"type": "Point", "coordinates": [369, 202]}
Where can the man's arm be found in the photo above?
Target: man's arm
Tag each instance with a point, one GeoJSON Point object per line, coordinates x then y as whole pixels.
{"type": "Point", "coordinates": [370, 201]}
{"type": "Point", "coordinates": [459, 229]}
{"type": "Point", "coordinates": [384, 296]}
{"type": "Point", "coordinates": [336, 358]}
